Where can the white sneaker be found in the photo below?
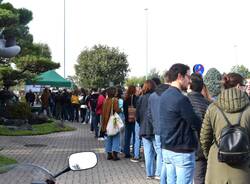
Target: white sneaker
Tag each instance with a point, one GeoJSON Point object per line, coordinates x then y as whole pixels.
{"type": "Point", "coordinates": [157, 178]}
{"type": "Point", "coordinates": [100, 139]}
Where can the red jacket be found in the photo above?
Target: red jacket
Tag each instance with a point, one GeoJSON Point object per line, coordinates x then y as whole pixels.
{"type": "Point", "coordinates": [100, 102]}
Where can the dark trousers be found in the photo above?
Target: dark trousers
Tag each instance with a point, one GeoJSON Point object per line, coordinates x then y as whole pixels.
{"type": "Point", "coordinates": [83, 113]}
{"type": "Point", "coordinates": [76, 112]}
{"type": "Point", "coordinates": [95, 123]}
{"type": "Point", "coordinates": [65, 115]}
{"type": "Point", "coordinates": [129, 130]}
{"type": "Point", "coordinates": [200, 171]}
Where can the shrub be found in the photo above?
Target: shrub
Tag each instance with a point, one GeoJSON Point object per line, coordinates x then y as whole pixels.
{"type": "Point", "coordinates": [19, 110]}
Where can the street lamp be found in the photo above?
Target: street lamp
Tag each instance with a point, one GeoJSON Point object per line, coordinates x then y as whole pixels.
{"type": "Point", "coordinates": [236, 53]}
{"type": "Point", "coordinates": [64, 38]}
{"type": "Point", "coordinates": [146, 16]}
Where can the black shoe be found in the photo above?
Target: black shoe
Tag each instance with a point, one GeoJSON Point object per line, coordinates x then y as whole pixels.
{"type": "Point", "coordinates": [109, 157]}
{"type": "Point", "coordinates": [115, 156]}
{"type": "Point", "coordinates": [127, 156]}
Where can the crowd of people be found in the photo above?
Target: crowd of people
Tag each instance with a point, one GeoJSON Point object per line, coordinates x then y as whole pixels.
{"type": "Point", "coordinates": [176, 123]}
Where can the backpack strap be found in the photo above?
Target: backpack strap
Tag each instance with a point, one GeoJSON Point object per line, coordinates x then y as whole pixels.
{"type": "Point", "coordinates": [228, 123]}
{"type": "Point", "coordinates": [223, 114]}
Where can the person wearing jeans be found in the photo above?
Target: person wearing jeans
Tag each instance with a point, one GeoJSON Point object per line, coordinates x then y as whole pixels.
{"type": "Point", "coordinates": [130, 101]}
{"type": "Point", "coordinates": [178, 125]}
{"type": "Point", "coordinates": [153, 115]}
{"type": "Point", "coordinates": [112, 142]}
{"type": "Point", "coordinates": [146, 128]}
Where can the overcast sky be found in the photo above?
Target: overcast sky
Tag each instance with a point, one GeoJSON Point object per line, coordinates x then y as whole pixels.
{"type": "Point", "coordinates": [213, 33]}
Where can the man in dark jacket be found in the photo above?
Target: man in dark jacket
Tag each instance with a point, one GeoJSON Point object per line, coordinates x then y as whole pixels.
{"type": "Point", "coordinates": [200, 105]}
{"type": "Point", "coordinates": [93, 104]}
{"type": "Point", "coordinates": [153, 116]}
{"type": "Point", "coordinates": [178, 124]}
{"type": "Point", "coordinates": [30, 98]}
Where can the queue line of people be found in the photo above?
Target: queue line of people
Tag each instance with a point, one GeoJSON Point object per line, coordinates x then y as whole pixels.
{"type": "Point", "coordinates": [176, 117]}
{"type": "Point", "coordinates": [176, 122]}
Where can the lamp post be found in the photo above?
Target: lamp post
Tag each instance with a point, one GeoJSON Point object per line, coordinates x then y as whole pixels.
{"type": "Point", "coordinates": [146, 16]}
{"type": "Point", "coordinates": [64, 39]}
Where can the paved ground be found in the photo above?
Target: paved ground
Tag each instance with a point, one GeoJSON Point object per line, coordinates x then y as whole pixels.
{"type": "Point", "coordinates": [59, 146]}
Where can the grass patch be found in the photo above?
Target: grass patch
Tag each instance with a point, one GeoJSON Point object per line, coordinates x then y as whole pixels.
{"type": "Point", "coordinates": [45, 128]}
{"type": "Point", "coordinates": [5, 161]}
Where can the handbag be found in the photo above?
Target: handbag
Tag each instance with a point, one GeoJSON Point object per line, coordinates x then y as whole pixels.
{"type": "Point", "coordinates": [115, 123]}
{"type": "Point", "coordinates": [131, 112]}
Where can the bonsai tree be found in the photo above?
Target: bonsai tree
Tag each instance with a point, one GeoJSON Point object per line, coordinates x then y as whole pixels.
{"type": "Point", "coordinates": [33, 58]}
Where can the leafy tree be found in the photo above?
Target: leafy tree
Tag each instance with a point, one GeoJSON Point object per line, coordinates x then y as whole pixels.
{"type": "Point", "coordinates": [242, 70]}
{"type": "Point", "coordinates": [154, 73]}
{"type": "Point", "coordinates": [33, 58]}
{"type": "Point", "coordinates": [135, 81]}
{"type": "Point", "coordinates": [100, 65]}
{"type": "Point", "coordinates": [212, 79]}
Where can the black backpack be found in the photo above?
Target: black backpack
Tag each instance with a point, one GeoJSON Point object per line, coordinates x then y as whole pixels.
{"type": "Point", "coordinates": [234, 144]}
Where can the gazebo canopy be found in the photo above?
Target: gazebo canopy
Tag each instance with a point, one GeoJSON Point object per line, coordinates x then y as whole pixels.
{"type": "Point", "coordinates": [50, 78]}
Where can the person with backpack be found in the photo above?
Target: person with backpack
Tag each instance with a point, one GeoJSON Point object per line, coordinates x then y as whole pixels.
{"type": "Point", "coordinates": [225, 134]}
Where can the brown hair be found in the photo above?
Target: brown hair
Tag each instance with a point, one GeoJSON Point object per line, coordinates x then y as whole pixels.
{"type": "Point", "coordinates": [148, 86]}
{"type": "Point", "coordinates": [205, 92]}
{"type": "Point", "coordinates": [232, 80]}
{"type": "Point", "coordinates": [111, 92]}
{"type": "Point", "coordinates": [130, 91]}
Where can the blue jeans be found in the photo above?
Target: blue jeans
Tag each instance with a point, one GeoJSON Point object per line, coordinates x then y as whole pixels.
{"type": "Point", "coordinates": [180, 166]}
{"type": "Point", "coordinates": [122, 133]}
{"type": "Point", "coordinates": [157, 147]}
{"type": "Point", "coordinates": [163, 174]}
{"type": "Point", "coordinates": [112, 143]}
{"type": "Point", "coordinates": [87, 116]}
{"type": "Point", "coordinates": [137, 144]}
{"type": "Point", "coordinates": [149, 154]}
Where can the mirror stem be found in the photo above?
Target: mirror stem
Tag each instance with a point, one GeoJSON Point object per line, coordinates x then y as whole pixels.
{"type": "Point", "coordinates": [63, 171]}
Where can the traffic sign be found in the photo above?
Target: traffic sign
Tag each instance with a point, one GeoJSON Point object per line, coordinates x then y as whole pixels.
{"type": "Point", "coordinates": [198, 68]}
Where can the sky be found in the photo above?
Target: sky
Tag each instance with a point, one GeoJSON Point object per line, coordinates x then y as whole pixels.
{"type": "Point", "coordinates": [212, 33]}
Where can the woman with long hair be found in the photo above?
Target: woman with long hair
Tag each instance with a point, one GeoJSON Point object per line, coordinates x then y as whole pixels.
{"type": "Point", "coordinates": [129, 101]}
{"type": "Point", "coordinates": [112, 144]}
{"type": "Point", "coordinates": [146, 127]}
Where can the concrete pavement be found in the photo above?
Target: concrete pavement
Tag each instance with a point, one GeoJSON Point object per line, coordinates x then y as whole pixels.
{"type": "Point", "coordinates": [51, 151]}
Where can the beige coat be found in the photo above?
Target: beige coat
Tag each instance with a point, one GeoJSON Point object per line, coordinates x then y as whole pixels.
{"type": "Point", "coordinates": [232, 101]}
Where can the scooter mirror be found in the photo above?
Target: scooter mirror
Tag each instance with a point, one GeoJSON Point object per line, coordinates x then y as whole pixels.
{"type": "Point", "coordinates": [83, 160]}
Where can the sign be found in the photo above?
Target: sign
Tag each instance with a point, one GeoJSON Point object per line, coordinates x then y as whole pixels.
{"type": "Point", "coordinates": [198, 68]}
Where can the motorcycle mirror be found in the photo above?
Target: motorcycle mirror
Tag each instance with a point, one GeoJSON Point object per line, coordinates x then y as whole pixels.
{"type": "Point", "coordinates": [83, 160]}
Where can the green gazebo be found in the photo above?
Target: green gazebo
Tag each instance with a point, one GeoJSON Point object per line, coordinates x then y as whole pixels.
{"type": "Point", "coordinates": [50, 78]}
